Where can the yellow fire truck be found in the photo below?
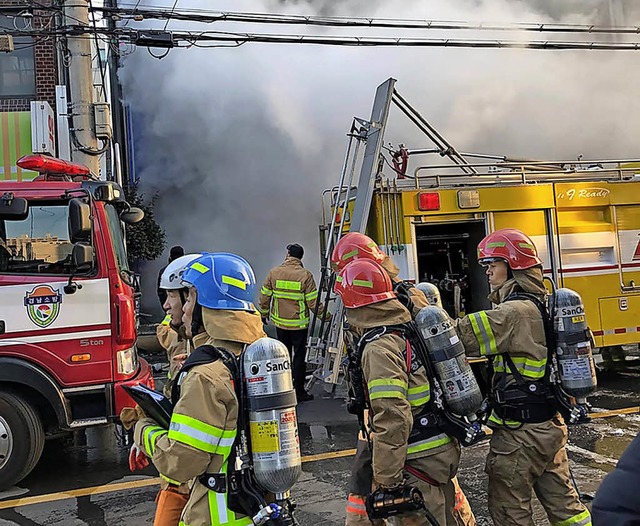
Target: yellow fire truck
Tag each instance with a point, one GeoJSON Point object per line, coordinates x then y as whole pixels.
{"type": "Point", "coordinates": [584, 222]}
{"type": "Point", "coordinates": [584, 217]}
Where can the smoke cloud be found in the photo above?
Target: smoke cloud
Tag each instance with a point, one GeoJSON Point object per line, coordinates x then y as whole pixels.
{"type": "Point", "coordinates": [241, 142]}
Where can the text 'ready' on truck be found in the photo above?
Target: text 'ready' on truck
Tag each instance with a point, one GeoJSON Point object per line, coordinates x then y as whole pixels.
{"type": "Point", "coordinates": [67, 309]}
{"type": "Point", "coordinates": [429, 216]}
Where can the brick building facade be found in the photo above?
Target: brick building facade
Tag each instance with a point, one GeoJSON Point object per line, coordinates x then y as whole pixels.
{"type": "Point", "coordinates": [44, 59]}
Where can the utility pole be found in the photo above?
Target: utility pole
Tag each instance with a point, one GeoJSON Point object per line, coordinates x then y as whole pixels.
{"type": "Point", "coordinates": [84, 144]}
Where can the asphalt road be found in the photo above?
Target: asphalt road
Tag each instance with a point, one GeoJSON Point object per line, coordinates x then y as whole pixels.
{"type": "Point", "coordinates": [85, 480]}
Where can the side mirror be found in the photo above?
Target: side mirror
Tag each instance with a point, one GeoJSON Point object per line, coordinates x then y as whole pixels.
{"type": "Point", "coordinates": [14, 208]}
{"type": "Point", "coordinates": [79, 221]}
{"type": "Point", "coordinates": [131, 216]}
{"type": "Point", "coordinates": [82, 257]}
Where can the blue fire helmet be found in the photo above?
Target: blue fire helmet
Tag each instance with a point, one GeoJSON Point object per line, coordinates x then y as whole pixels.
{"type": "Point", "coordinates": [223, 281]}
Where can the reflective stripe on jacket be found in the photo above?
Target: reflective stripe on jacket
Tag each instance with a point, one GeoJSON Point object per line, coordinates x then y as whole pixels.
{"type": "Point", "coordinates": [288, 295]}
{"type": "Point", "coordinates": [395, 397]}
{"type": "Point", "coordinates": [513, 327]}
{"type": "Point", "coordinates": [199, 440]}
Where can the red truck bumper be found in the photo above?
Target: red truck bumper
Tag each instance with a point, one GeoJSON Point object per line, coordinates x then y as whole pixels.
{"type": "Point", "coordinates": [144, 376]}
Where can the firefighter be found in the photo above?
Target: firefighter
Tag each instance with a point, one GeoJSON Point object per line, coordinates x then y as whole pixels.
{"type": "Point", "coordinates": [287, 298]}
{"type": "Point", "coordinates": [350, 247]}
{"type": "Point", "coordinates": [527, 450]}
{"type": "Point", "coordinates": [203, 423]}
{"type": "Point", "coordinates": [171, 332]}
{"type": "Point", "coordinates": [174, 253]}
{"type": "Point", "coordinates": [419, 455]}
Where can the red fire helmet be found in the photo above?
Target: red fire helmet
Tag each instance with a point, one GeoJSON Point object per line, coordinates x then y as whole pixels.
{"type": "Point", "coordinates": [511, 246]}
{"type": "Point", "coordinates": [363, 282]}
{"type": "Point", "coordinates": [355, 245]}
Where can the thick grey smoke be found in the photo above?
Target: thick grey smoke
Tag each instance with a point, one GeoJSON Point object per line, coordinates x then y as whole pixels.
{"type": "Point", "coordinates": [241, 142]}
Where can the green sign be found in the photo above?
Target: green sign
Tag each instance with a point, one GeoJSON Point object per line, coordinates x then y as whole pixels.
{"type": "Point", "coordinates": [15, 141]}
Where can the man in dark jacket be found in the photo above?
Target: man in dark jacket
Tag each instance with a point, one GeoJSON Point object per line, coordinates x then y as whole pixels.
{"type": "Point", "coordinates": [616, 502]}
{"type": "Point", "coordinates": [175, 253]}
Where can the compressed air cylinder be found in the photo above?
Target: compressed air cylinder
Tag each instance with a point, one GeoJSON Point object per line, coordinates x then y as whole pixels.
{"type": "Point", "coordinates": [431, 292]}
{"type": "Point", "coordinates": [573, 351]}
{"type": "Point", "coordinates": [273, 424]}
{"type": "Point", "coordinates": [450, 364]}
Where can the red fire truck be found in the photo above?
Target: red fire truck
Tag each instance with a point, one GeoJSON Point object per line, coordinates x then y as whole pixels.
{"type": "Point", "coordinates": [67, 309]}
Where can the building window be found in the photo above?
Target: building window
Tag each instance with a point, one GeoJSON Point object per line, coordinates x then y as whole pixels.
{"type": "Point", "coordinates": [17, 69]}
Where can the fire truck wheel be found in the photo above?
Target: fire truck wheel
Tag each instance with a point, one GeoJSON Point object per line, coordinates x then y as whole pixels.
{"type": "Point", "coordinates": [21, 439]}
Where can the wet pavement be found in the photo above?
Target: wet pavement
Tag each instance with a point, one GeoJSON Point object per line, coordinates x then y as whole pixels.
{"type": "Point", "coordinates": [85, 480]}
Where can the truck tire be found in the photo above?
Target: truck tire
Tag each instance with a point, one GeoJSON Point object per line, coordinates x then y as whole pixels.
{"type": "Point", "coordinates": [21, 439]}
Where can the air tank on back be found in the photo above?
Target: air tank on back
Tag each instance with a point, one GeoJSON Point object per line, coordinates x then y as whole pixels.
{"type": "Point", "coordinates": [450, 364]}
{"type": "Point", "coordinates": [273, 422]}
{"type": "Point", "coordinates": [573, 350]}
{"type": "Point", "coordinates": [431, 292]}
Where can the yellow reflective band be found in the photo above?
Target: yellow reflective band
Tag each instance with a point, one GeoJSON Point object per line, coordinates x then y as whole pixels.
{"type": "Point", "coordinates": [200, 435]}
{"type": "Point", "coordinates": [265, 291]}
{"type": "Point", "coordinates": [288, 285]}
{"type": "Point", "coordinates": [420, 395]}
{"type": "Point", "coordinates": [363, 283]}
{"type": "Point", "coordinates": [170, 481]}
{"type": "Point", "coordinates": [526, 245]}
{"type": "Point", "coordinates": [428, 444]}
{"type": "Point", "coordinates": [530, 368]}
{"type": "Point", "coordinates": [387, 388]}
{"type": "Point", "coordinates": [149, 437]}
{"type": "Point", "coordinates": [311, 295]}
{"type": "Point", "coordinates": [496, 244]}
{"type": "Point", "coordinates": [339, 279]}
{"type": "Point", "coordinates": [288, 295]}
{"type": "Point", "coordinates": [200, 267]}
{"type": "Point", "coordinates": [483, 333]}
{"type": "Point", "coordinates": [582, 519]}
{"type": "Point", "coordinates": [502, 422]}
{"type": "Point", "coordinates": [299, 323]}
{"type": "Point", "coordinates": [350, 255]}
{"type": "Point", "coordinates": [234, 282]}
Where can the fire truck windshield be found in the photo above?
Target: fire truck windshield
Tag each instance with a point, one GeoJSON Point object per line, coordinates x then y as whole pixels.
{"type": "Point", "coordinates": [115, 229]}
{"type": "Point", "coordinates": [40, 243]}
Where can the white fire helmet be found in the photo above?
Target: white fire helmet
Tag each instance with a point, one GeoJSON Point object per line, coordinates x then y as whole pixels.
{"type": "Point", "coordinates": [171, 278]}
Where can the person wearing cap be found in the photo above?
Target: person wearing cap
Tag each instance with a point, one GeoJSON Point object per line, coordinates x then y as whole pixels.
{"type": "Point", "coordinates": [527, 451]}
{"type": "Point", "coordinates": [175, 253]}
{"type": "Point", "coordinates": [288, 297]}
{"type": "Point", "coordinates": [218, 311]}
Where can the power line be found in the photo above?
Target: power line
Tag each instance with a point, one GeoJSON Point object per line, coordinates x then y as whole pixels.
{"type": "Point", "coordinates": [206, 16]}
{"type": "Point", "coordinates": [191, 38]}
{"type": "Point", "coordinates": [356, 41]}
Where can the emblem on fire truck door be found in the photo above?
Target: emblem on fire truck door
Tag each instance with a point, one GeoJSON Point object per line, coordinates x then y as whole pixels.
{"type": "Point", "coordinates": [43, 305]}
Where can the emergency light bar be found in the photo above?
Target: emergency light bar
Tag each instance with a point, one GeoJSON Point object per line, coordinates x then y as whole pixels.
{"type": "Point", "coordinates": [51, 165]}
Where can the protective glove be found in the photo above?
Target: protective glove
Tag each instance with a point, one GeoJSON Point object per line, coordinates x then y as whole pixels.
{"type": "Point", "coordinates": [137, 458]}
{"type": "Point", "coordinates": [130, 415]}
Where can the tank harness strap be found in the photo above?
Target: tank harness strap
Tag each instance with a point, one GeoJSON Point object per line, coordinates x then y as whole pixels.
{"type": "Point", "coordinates": [421, 475]}
{"type": "Point", "coordinates": [527, 401]}
{"type": "Point", "coordinates": [402, 288]}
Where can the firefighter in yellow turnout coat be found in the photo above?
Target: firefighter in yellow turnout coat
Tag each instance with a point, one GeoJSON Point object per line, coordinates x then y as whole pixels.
{"type": "Point", "coordinates": [288, 297]}
{"type": "Point", "coordinates": [203, 424]}
{"type": "Point", "coordinates": [350, 247]}
{"type": "Point", "coordinates": [396, 394]}
{"type": "Point", "coordinates": [527, 450]}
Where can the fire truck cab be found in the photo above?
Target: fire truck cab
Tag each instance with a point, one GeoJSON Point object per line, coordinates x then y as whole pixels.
{"type": "Point", "coordinates": [67, 310]}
